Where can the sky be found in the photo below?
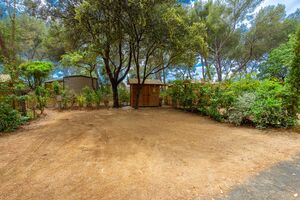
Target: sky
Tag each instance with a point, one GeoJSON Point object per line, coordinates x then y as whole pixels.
{"type": "Point", "coordinates": [291, 5]}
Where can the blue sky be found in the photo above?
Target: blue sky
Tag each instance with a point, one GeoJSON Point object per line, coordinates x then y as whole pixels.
{"type": "Point", "coordinates": [291, 5]}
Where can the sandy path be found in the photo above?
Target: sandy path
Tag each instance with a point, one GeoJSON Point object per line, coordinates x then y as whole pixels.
{"type": "Point", "coordinates": [128, 154]}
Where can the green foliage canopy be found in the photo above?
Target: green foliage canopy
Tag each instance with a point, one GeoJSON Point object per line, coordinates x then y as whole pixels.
{"type": "Point", "coordinates": [35, 72]}
{"type": "Point", "coordinates": [279, 61]}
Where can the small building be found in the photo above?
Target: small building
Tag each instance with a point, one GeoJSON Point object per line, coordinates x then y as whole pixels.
{"type": "Point", "coordinates": [76, 83]}
{"type": "Point", "coordinates": [48, 83]}
{"type": "Point", "coordinates": [149, 95]}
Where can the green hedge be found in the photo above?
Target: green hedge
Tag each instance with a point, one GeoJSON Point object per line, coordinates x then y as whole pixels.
{"type": "Point", "coordinates": [248, 101]}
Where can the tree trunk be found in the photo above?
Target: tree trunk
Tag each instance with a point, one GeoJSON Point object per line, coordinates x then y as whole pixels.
{"type": "Point", "coordinates": [137, 97]}
{"type": "Point", "coordinates": [115, 95]}
{"type": "Point", "coordinates": [189, 74]}
{"type": "Point", "coordinates": [91, 76]}
{"type": "Point", "coordinates": [203, 71]}
{"type": "Point", "coordinates": [219, 68]}
{"type": "Point", "coordinates": [207, 69]}
{"type": "Point", "coordinates": [113, 81]}
{"type": "Point", "coordinates": [3, 48]}
{"type": "Point", "coordinates": [13, 35]}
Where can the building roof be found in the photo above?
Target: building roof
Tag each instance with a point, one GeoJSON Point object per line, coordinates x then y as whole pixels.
{"type": "Point", "coordinates": [53, 80]}
{"type": "Point", "coordinates": [5, 78]}
{"type": "Point", "coordinates": [147, 82]}
{"type": "Point", "coordinates": [72, 76]}
{"type": "Point", "coordinates": [76, 76]}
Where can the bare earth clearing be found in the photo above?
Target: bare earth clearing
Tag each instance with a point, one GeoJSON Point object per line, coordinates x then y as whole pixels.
{"type": "Point", "coordinates": [128, 154]}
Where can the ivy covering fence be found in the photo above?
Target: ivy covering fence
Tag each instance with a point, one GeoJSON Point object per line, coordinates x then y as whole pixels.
{"type": "Point", "coordinates": [262, 104]}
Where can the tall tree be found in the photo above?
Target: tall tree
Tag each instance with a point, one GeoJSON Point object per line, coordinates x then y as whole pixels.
{"type": "Point", "coordinates": [161, 28]}
{"type": "Point", "coordinates": [200, 13]}
{"type": "Point", "coordinates": [102, 25]}
{"type": "Point", "coordinates": [235, 47]}
{"type": "Point", "coordinates": [279, 61]}
{"type": "Point", "coordinates": [269, 30]}
{"type": "Point", "coordinates": [294, 76]}
{"type": "Point", "coordinates": [21, 37]}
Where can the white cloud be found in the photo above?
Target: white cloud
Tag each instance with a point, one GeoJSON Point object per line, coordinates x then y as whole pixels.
{"type": "Point", "coordinates": [291, 5]}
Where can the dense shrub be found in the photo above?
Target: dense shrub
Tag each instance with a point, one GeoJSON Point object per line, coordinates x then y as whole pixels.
{"type": "Point", "coordinates": [57, 88]}
{"type": "Point", "coordinates": [106, 94]}
{"type": "Point", "coordinates": [10, 119]}
{"type": "Point", "coordinates": [261, 103]}
{"type": "Point", "coordinates": [204, 98]}
{"type": "Point", "coordinates": [240, 111]}
{"type": "Point", "coordinates": [271, 107]}
{"type": "Point", "coordinates": [124, 95]}
{"type": "Point", "coordinates": [184, 93]}
{"type": "Point", "coordinates": [97, 98]}
{"type": "Point", "coordinates": [245, 85]}
{"type": "Point", "coordinates": [41, 95]}
{"type": "Point", "coordinates": [68, 98]}
{"type": "Point", "coordinates": [213, 100]}
{"type": "Point", "coordinates": [80, 99]}
{"type": "Point", "coordinates": [89, 95]}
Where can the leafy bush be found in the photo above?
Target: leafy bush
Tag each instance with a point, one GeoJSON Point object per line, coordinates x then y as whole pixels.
{"type": "Point", "coordinates": [65, 99]}
{"type": "Point", "coordinates": [214, 100]}
{"type": "Point", "coordinates": [204, 98]}
{"type": "Point", "coordinates": [88, 94]}
{"type": "Point", "coordinates": [57, 88]}
{"type": "Point", "coordinates": [189, 97]}
{"type": "Point", "coordinates": [41, 97]}
{"type": "Point", "coordinates": [217, 104]}
{"type": "Point", "coordinates": [124, 95]}
{"type": "Point", "coordinates": [240, 112]}
{"type": "Point", "coordinates": [245, 85]}
{"type": "Point", "coordinates": [97, 98]}
{"type": "Point", "coordinates": [80, 99]}
{"type": "Point", "coordinates": [271, 105]}
{"type": "Point", "coordinates": [164, 94]}
{"type": "Point", "coordinates": [10, 119]}
{"type": "Point", "coordinates": [35, 72]}
{"type": "Point", "coordinates": [183, 92]}
{"type": "Point", "coordinates": [266, 106]}
{"type": "Point", "coordinates": [261, 103]}
{"type": "Point", "coordinates": [106, 93]}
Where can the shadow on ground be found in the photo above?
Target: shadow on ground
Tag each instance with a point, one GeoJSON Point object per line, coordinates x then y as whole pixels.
{"type": "Point", "coordinates": [282, 181]}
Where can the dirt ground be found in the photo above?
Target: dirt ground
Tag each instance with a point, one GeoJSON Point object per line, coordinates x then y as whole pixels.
{"type": "Point", "coordinates": [153, 153]}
